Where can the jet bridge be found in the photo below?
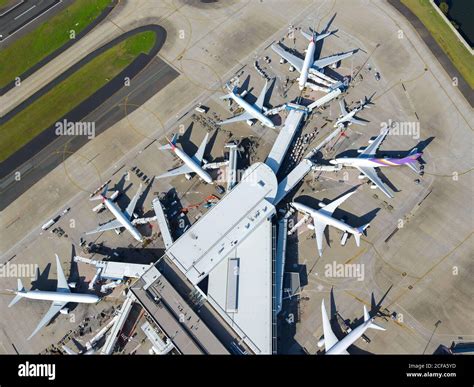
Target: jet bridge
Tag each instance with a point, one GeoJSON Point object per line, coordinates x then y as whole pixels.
{"type": "Point", "coordinates": [286, 135]}
{"type": "Point", "coordinates": [323, 100]}
{"type": "Point", "coordinates": [232, 166]}
{"type": "Point", "coordinates": [293, 178]}
{"type": "Point", "coordinates": [162, 222]}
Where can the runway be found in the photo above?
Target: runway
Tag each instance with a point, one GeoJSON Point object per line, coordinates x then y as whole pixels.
{"type": "Point", "coordinates": [31, 25]}
{"type": "Point", "coordinates": [47, 150]}
{"type": "Point", "coordinates": [22, 13]}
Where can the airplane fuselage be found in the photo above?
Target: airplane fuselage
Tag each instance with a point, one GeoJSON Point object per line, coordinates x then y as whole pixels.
{"type": "Point", "coordinates": [123, 219]}
{"type": "Point", "coordinates": [374, 162]}
{"type": "Point", "coordinates": [61, 297]}
{"type": "Point", "coordinates": [193, 165]}
{"type": "Point", "coordinates": [325, 218]}
{"type": "Point", "coordinates": [308, 61]}
{"type": "Point", "coordinates": [254, 112]}
{"type": "Point", "coordinates": [346, 118]}
{"type": "Point", "coordinates": [341, 346]}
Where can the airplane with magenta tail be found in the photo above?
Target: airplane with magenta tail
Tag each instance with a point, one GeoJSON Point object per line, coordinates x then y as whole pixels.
{"type": "Point", "coordinates": [367, 162]}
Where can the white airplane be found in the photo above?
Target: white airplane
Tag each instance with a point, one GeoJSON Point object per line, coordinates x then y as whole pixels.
{"type": "Point", "coordinates": [59, 298]}
{"type": "Point", "coordinates": [347, 118]}
{"type": "Point", "coordinates": [309, 68]}
{"type": "Point", "coordinates": [255, 111]}
{"type": "Point", "coordinates": [122, 219]}
{"type": "Point", "coordinates": [101, 206]}
{"type": "Point", "coordinates": [192, 164]}
{"type": "Point", "coordinates": [367, 162]}
{"type": "Point", "coordinates": [323, 217]}
{"type": "Point", "coordinates": [334, 346]}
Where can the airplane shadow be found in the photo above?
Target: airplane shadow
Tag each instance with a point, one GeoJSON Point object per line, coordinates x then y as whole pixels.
{"type": "Point", "coordinates": [209, 146]}
{"type": "Point", "coordinates": [184, 140]}
{"type": "Point", "coordinates": [319, 44]}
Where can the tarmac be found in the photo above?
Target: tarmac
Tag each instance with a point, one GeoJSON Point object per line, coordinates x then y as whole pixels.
{"type": "Point", "coordinates": [419, 245]}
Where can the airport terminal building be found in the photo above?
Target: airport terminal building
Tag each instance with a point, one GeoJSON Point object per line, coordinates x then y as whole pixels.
{"type": "Point", "coordinates": [233, 266]}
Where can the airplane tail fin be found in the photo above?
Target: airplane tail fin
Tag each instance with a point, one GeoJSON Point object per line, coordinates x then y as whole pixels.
{"type": "Point", "coordinates": [234, 91]}
{"type": "Point", "coordinates": [360, 232]}
{"type": "Point", "coordinates": [414, 154]}
{"type": "Point", "coordinates": [102, 195]}
{"type": "Point", "coordinates": [371, 324]}
{"type": "Point", "coordinates": [412, 157]}
{"type": "Point", "coordinates": [19, 294]}
{"type": "Point", "coordinates": [171, 143]}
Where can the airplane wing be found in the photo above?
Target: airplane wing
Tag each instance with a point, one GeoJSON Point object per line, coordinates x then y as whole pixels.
{"type": "Point", "coordinates": [342, 104]}
{"type": "Point", "coordinates": [200, 152]}
{"type": "Point", "coordinates": [133, 203]}
{"type": "Point", "coordinates": [358, 121]}
{"type": "Point", "coordinates": [242, 117]}
{"type": "Point", "coordinates": [53, 310]}
{"type": "Point", "coordinates": [372, 148]}
{"type": "Point", "coordinates": [372, 175]}
{"type": "Point", "coordinates": [329, 60]}
{"type": "Point", "coordinates": [112, 225]}
{"type": "Point", "coordinates": [176, 172]}
{"type": "Point", "coordinates": [319, 232]}
{"type": "Point", "coordinates": [328, 209]}
{"type": "Point", "coordinates": [261, 97]}
{"type": "Point", "coordinates": [62, 286]}
{"type": "Point", "coordinates": [296, 62]}
{"type": "Point", "coordinates": [330, 338]}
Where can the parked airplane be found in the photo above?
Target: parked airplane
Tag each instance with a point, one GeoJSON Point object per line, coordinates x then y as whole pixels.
{"type": "Point", "coordinates": [59, 298]}
{"type": "Point", "coordinates": [367, 162]}
{"type": "Point", "coordinates": [323, 217]}
{"type": "Point", "coordinates": [191, 164]}
{"type": "Point", "coordinates": [309, 68]}
{"type": "Point", "coordinates": [334, 346]}
{"type": "Point", "coordinates": [101, 206]}
{"type": "Point", "coordinates": [122, 219]}
{"type": "Point", "coordinates": [252, 111]}
{"type": "Point", "coordinates": [347, 118]}
{"type": "Point", "coordinates": [82, 351]}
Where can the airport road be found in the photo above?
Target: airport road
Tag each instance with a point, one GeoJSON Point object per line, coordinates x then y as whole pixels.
{"type": "Point", "coordinates": [100, 35]}
{"type": "Point", "coordinates": [23, 13]}
{"type": "Point", "coordinates": [155, 76]}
